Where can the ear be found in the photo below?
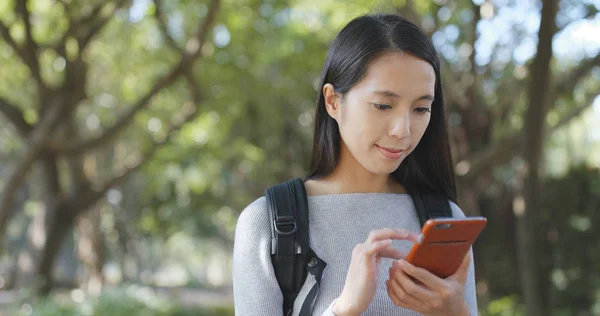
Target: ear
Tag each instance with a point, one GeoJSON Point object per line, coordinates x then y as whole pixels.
{"type": "Point", "coordinates": [332, 101]}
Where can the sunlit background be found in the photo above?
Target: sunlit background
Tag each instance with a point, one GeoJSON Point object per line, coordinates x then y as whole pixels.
{"type": "Point", "coordinates": [133, 133]}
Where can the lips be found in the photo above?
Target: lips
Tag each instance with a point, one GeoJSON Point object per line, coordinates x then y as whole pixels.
{"type": "Point", "coordinates": [395, 151]}
{"type": "Point", "coordinates": [391, 153]}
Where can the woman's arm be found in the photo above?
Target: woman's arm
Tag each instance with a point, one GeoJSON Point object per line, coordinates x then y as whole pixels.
{"type": "Point", "coordinates": [255, 288]}
{"type": "Point", "coordinates": [470, 289]}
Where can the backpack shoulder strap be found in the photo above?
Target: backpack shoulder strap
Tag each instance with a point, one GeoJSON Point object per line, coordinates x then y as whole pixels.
{"type": "Point", "coordinates": [290, 253]}
{"type": "Point", "coordinates": [429, 205]}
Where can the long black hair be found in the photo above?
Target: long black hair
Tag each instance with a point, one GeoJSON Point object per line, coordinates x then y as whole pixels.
{"type": "Point", "coordinates": [428, 168]}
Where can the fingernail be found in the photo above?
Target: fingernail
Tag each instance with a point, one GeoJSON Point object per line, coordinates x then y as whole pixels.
{"type": "Point", "coordinates": [402, 233]}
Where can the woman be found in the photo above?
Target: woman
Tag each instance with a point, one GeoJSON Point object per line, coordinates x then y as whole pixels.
{"type": "Point", "coordinates": [379, 128]}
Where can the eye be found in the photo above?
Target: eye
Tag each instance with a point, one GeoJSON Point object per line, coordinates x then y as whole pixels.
{"type": "Point", "coordinates": [423, 110]}
{"type": "Point", "coordinates": [381, 107]}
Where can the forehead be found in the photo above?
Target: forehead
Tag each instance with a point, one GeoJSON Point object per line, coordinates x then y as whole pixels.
{"type": "Point", "coordinates": [401, 73]}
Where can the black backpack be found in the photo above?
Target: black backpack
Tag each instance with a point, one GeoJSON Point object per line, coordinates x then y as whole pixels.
{"type": "Point", "coordinates": [291, 255]}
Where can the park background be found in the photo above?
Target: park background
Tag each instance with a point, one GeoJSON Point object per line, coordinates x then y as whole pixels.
{"type": "Point", "coordinates": [134, 132]}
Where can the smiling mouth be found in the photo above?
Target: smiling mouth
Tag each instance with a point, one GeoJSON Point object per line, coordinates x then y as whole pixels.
{"type": "Point", "coordinates": [390, 153]}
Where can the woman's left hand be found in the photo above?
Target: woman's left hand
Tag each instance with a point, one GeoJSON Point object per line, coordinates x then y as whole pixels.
{"type": "Point", "coordinates": [429, 295]}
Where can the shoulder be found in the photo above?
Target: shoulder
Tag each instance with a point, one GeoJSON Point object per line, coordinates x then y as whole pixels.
{"type": "Point", "coordinates": [456, 211]}
{"type": "Point", "coordinates": [254, 219]}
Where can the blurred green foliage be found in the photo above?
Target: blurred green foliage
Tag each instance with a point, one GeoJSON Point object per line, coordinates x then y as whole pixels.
{"type": "Point", "coordinates": [505, 306]}
{"type": "Point", "coordinates": [120, 301]}
{"type": "Point", "coordinates": [257, 78]}
{"type": "Point", "coordinates": [569, 252]}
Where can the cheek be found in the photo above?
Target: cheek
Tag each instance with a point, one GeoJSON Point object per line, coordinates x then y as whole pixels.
{"type": "Point", "coordinates": [356, 133]}
{"type": "Point", "coordinates": [418, 129]}
{"type": "Point", "coordinates": [358, 127]}
{"type": "Point", "coordinates": [368, 130]}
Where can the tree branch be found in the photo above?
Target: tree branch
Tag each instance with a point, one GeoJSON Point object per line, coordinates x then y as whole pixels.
{"type": "Point", "coordinates": [61, 46]}
{"type": "Point", "coordinates": [74, 25]}
{"type": "Point", "coordinates": [36, 143]}
{"type": "Point", "coordinates": [503, 151]}
{"type": "Point", "coordinates": [5, 33]}
{"type": "Point", "coordinates": [110, 133]}
{"type": "Point", "coordinates": [193, 50]}
{"type": "Point", "coordinates": [32, 64]}
{"type": "Point", "coordinates": [509, 92]}
{"type": "Point", "coordinates": [473, 90]}
{"type": "Point", "coordinates": [93, 14]}
{"type": "Point", "coordinates": [576, 111]}
{"type": "Point", "coordinates": [134, 162]}
{"type": "Point", "coordinates": [162, 25]}
{"type": "Point", "coordinates": [194, 45]}
{"type": "Point", "coordinates": [490, 157]}
{"type": "Point", "coordinates": [15, 116]}
{"type": "Point", "coordinates": [591, 13]}
{"type": "Point", "coordinates": [32, 47]}
{"type": "Point", "coordinates": [568, 82]}
{"type": "Point", "coordinates": [91, 22]}
{"type": "Point", "coordinates": [97, 22]}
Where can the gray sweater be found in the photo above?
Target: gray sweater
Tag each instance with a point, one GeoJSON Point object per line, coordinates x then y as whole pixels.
{"type": "Point", "coordinates": [337, 223]}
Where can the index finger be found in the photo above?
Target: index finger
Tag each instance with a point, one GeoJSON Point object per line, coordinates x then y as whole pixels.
{"type": "Point", "coordinates": [391, 233]}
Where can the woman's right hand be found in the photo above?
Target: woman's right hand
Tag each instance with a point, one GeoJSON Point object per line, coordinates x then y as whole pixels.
{"type": "Point", "coordinates": [361, 279]}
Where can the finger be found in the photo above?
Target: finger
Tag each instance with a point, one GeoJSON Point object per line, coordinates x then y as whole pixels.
{"type": "Point", "coordinates": [463, 271]}
{"type": "Point", "coordinates": [399, 296]}
{"type": "Point", "coordinates": [394, 268]}
{"type": "Point", "coordinates": [373, 248]}
{"type": "Point", "coordinates": [429, 279]}
{"type": "Point", "coordinates": [417, 291]}
{"type": "Point", "coordinates": [392, 253]}
{"type": "Point", "coordinates": [393, 296]}
{"type": "Point", "coordinates": [390, 233]}
{"type": "Point", "coordinates": [392, 272]}
{"type": "Point", "coordinates": [396, 283]}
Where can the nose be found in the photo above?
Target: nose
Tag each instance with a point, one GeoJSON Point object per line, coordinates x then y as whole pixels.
{"type": "Point", "coordinates": [400, 126]}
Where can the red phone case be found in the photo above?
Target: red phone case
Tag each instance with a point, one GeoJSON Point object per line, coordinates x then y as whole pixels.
{"type": "Point", "coordinates": [444, 244]}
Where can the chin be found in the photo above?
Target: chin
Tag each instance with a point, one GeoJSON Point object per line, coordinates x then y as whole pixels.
{"type": "Point", "coordinates": [389, 168]}
{"type": "Point", "coordinates": [379, 165]}
{"type": "Point", "coordinates": [384, 170]}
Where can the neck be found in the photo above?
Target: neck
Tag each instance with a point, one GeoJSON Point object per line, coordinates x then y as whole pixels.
{"type": "Point", "coordinates": [346, 182]}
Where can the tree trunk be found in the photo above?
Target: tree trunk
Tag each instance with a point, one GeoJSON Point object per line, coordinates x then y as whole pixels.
{"type": "Point", "coordinates": [15, 245]}
{"type": "Point", "coordinates": [91, 248]}
{"type": "Point", "coordinates": [60, 224]}
{"type": "Point", "coordinates": [60, 102]}
{"type": "Point", "coordinates": [124, 242]}
{"type": "Point", "coordinates": [29, 256]}
{"type": "Point", "coordinates": [534, 138]}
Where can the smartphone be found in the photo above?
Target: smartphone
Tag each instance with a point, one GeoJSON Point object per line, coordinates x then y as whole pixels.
{"type": "Point", "coordinates": [444, 242]}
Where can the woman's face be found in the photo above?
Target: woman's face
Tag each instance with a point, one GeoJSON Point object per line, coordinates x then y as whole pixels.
{"type": "Point", "coordinates": [383, 117]}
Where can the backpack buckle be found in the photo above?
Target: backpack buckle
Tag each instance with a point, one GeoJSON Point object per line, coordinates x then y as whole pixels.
{"type": "Point", "coordinates": [285, 225]}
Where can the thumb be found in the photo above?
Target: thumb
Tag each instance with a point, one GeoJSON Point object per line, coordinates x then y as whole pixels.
{"type": "Point", "coordinates": [463, 270]}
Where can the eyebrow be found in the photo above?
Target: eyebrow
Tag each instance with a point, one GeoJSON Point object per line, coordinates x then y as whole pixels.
{"type": "Point", "coordinates": [388, 93]}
